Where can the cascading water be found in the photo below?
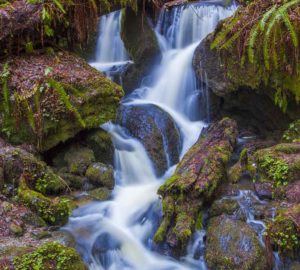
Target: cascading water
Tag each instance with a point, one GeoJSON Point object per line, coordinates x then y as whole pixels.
{"type": "Point", "coordinates": [110, 51]}
{"type": "Point", "coordinates": [117, 234]}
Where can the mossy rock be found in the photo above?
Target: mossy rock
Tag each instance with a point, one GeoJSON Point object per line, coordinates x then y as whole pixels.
{"type": "Point", "coordinates": [16, 162]}
{"type": "Point", "coordinates": [235, 173]}
{"type": "Point", "coordinates": [100, 194]}
{"type": "Point", "coordinates": [54, 211]}
{"type": "Point", "coordinates": [284, 232]}
{"type": "Point", "coordinates": [279, 164]}
{"type": "Point", "coordinates": [224, 206]}
{"type": "Point", "coordinates": [101, 175]}
{"type": "Point", "coordinates": [194, 182]}
{"type": "Point", "coordinates": [292, 134]}
{"type": "Point", "coordinates": [78, 159]}
{"type": "Point", "coordinates": [233, 245]}
{"type": "Point", "coordinates": [50, 256]}
{"type": "Point", "coordinates": [70, 102]}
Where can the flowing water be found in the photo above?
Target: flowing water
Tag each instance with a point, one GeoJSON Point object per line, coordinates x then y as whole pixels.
{"type": "Point", "coordinates": [117, 234]}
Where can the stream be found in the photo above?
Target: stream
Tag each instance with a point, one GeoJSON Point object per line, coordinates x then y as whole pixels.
{"type": "Point", "coordinates": [117, 234]}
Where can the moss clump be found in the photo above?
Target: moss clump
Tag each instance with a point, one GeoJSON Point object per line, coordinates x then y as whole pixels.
{"type": "Point", "coordinates": [292, 134]}
{"type": "Point", "coordinates": [223, 206]}
{"type": "Point", "coordinates": [53, 211]}
{"type": "Point", "coordinates": [235, 173]}
{"type": "Point", "coordinates": [50, 256]}
{"type": "Point", "coordinates": [284, 232]}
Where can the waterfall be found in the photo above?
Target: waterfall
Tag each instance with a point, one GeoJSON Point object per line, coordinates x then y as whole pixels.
{"type": "Point", "coordinates": [118, 234]}
{"type": "Point", "coordinates": [110, 51]}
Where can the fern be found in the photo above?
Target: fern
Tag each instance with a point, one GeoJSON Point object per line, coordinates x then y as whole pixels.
{"type": "Point", "coordinates": [290, 28]}
{"type": "Point", "coordinates": [65, 99]}
{"type": "Point", "coordinates": [4, 80]}
{"type": "Point", "coordinates": [253, 37]}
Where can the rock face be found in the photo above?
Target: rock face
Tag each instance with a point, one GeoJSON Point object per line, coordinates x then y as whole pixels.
{"type": "Point", "coordinates": [239, 92]}
{"type": "Point", "coordinates": [233, 245]}
{"type": "Point", "coordinates": [196, 177]}
{"type": "Point", "coordinates": [47, 104]}
{"type": "Point", "coordinates": [156, 130]}
{"type": "Point", "coordinates": [141, 44]}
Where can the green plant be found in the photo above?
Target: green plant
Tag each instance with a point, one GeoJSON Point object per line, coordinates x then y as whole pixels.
{"type": "Point", "coordinates": [276, 170]}
{"type": "Point", "coordinates": [5, 90]}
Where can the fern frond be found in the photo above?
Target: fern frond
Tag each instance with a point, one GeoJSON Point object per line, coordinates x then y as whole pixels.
{"type": "Point", "coordinates": [229, 42]}
{"type": "Point", "coordinates": [265, 18]}
{"type": "Point", "coordinates": [252, 39]}
{"type": "Point", "coordinates": [290, 27]}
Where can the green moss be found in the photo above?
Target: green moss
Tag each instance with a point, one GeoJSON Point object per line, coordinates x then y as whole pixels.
{"type": "Point", "coordinates": [100, 175]}
{"type": "Point", "coordinates": [199, 221]}
{"type": "Point", "coordinates": [54, 212]}
{"type": "Point", "coordinates": [235, 173]}
{"type": "Point", "coordinates": [292, 134]}
{"type": "Point", "coordinates": [50, 256]}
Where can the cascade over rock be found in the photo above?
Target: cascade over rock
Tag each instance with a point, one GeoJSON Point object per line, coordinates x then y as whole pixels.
{"type": "Point", "coordinates": [196, 177]}
{"type": "Point", "coordinates": [156, 130]}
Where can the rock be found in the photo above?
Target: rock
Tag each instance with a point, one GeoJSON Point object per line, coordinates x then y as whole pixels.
{"type": "Point", "coordinates": [295, 266]}
{"type": "Point", "coordinates": [235, 173]}
{"type": "Point", "coordinates": [78, 159]}
{"type": "Point", "coordinates": [223, 206]}
{"type": "Point", "coordinates": [233, 245]}
{"type": "Point", "coordinates": [54, 211]}
{"type": "Point", "coordinates": [16, 162]}
{"type": "Point", "coordinates": [70, 102]}
{"type": "Point", "coordinates": [157, 132]}
{"type": "Point", "coordinates": [293, 192]}
{"type": "Point", "coordinates": [16, 229]}
{"type": "Point", "coordinates": [100, 194]}
{"type": "Point", "coordinates": [277, 167]}
{"type": "Point", "coordinates": [195, 180]}
{"type": "Point", "coordinates": [73, 181]}
{"type": "Point", "coordinates": [241, 91]}
{"type": "Point", "coordinates": [141, 44]}
{"type": "Point", "coordinates": [33, 220]}
{"type": "Point", "coordinates": [1, 178]}
{"type": "Point", "coordinates": [284, 232]}
{"type": "Point", "coordinates": [264, 190]}
{"type": "Point", "coordinates": [51, 255]}
{"type": "Point", "coordinates": [101, 143]}
{"type": "Point", "coordinates": [101, 175]}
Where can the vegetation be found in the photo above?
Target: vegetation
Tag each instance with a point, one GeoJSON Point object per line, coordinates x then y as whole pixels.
{"type": "Point", "coordinates": [265, 34]}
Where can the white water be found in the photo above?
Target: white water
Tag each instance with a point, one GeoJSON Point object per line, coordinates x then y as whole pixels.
{"type": "Point", "coordinates": [117, 234]}
{"type": "Point", "coordinates": [110, 51]}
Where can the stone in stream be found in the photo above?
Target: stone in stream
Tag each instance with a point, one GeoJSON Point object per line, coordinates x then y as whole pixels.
{"type": "Point", "coordinates": [233, 245]}
{"type": "Point", "coordinates": [194, 182]}
{"type": "Point", "coordinates": [156, 130]}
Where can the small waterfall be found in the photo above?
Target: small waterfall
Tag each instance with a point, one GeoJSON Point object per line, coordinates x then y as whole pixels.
{"type": "Point", "coordinates": [118, 234]}
{"type": "Point", "coordinates": [110, 51]}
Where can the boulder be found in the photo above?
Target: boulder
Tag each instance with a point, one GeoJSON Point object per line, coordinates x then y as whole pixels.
{"type": "Point", "coordinates": [233, 245]}
{"type": "Point", "coordinates": [100, 175]}
{"type": "Point", "coordinates": [196, 178]}
{"type": "Point", "coordinates": [47, 104]}
{"type": "Point", "coordinates": [15, 162]}
{"type": "Point", "coordinates": [156, 130]}
{"type": "Point", "coordinates": [141, 44]}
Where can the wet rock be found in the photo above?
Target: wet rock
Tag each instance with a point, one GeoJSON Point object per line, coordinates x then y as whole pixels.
{"type": "Point", "coordinates": [78, 159]}
{"type": "Point", "coordinates": [233, 244]}
{"type": "Point", "coordinates": [100, 174]}
{"type": "Point", "coordinates": [100, 194]}
{"type": "Point", "coordinates": [264, 190]}
{"type": "Point", "coordinates": [235, 173]}
{"type": "Point", "coordinates": [224, 206]}
{"type": "Point", "coordinates": [16, 229]}
{"type": "Point", "coordinates": [141, 44]}
{"type": "Point", "coordinates": [284, 232]}
{"type": "Point", "coordinates": [73, 181]}
{"type": "Point", "coordinates": [195, 180]}
{"type": "Point", "coordinates": [156, 130]}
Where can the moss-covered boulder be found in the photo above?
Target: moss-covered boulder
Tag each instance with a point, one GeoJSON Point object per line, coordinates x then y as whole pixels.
{"type": "Point", "coordinates": [15, 161]}
{"type": "Point", "coordinates": [196, 178]}
{"type": "Point", "coordinates": [284, 233]}
{"type": "Point", "coordinates": [140, 43]}
{"type": "Point", "coordinates": [100, 174]}
{"type": "Point", "coordinates": [156, 130]}
{"type": "Point", "coordinates": [50, 256]}
{"type": "Point", "coordinates": [54, 211]}
{"type": "Point", "coordinates": [279, 164]}
{"type": "Point", "coordinates": [233, 245]}
{"type": "Point", "coordinates": [223, 206]}
{"type": "Point", "coordinates": [78, 159]}
{"type": "Point", "coordinates": [47, 103]}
